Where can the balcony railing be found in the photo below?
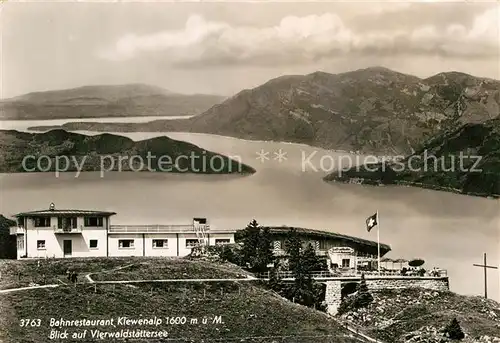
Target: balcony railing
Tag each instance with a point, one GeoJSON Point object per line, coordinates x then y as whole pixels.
{"type": "Point", "coordinates": [154, 228]}
{"type": "Point", "coordinates": [16, 230]}
{"type": "Point", "coordinates": [67, 229]}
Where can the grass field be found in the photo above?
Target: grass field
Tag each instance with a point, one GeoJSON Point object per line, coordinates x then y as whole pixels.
{"type": "Point", "coordinates": [243, 311]}
{"type": "Point", "coordinates": [53, 271]}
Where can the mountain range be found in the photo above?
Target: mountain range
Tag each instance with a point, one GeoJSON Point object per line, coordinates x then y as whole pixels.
{"type": "Point", "coordinates": [130, 100]}
{"type": "Point", "coordinates": [373, 110]}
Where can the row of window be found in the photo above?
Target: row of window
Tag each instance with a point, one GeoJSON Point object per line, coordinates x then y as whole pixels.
{"type": "Point", "coordinates": [319, 245]}
{"type": "Point", "coordinates": [40, 244]}
{"type": "Point", "coordinates": [163, 243]}
{"type": "Point", "coordinates": [129, 243]}
{"type": "Point", "coordinates": [346, 263]}
{"type": "Point", "coordinates": [68, 222]}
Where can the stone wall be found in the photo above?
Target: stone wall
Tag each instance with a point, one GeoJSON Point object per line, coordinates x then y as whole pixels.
{"type": "Point", "coordinates": [333, 294]}
{"type": "Point", "coordinates": [433, 283]}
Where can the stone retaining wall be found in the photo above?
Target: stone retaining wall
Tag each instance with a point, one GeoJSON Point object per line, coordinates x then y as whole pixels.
{"type": "Point", "coordinates": [334, 287]}
{"type": "Point", "coordinates": [436, 284]}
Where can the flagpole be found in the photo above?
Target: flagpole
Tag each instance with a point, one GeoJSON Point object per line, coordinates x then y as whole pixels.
{"type": "Point", "coordinates": [378, 242]}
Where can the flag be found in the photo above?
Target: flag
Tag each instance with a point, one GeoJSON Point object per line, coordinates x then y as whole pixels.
{"type": "Point", "coordinates": [371, 221]}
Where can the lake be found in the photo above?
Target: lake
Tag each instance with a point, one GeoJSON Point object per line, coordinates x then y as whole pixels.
{"type": "Point", "coordinates": [446, 230]}
{"type": "Point", "coordinates": [22, 125]}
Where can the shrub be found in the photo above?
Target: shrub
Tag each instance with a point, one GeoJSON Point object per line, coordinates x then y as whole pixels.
{"type": "Point", "coordinates": [363, 297]}
{"type": "Point", "coordinates": [454, 331]}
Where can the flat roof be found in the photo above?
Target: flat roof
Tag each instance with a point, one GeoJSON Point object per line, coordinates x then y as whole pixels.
{"type": "Point", "coordinates": [384, 248]}
{"type": "Point", "coordinates": [66, 212]}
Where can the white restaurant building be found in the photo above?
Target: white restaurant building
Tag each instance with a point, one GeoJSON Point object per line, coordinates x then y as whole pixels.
{"type": "Point", "coordinates": [82, 233]}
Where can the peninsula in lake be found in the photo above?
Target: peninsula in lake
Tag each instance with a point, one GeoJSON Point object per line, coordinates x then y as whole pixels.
{"type": "Point", "coordinates": [43, 152]}
{"type": "Point", "coordinates": [465, 160]}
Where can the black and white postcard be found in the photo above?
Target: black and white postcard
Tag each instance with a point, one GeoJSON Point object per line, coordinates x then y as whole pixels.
{"type": "Point", "coordinates": [260, 172]}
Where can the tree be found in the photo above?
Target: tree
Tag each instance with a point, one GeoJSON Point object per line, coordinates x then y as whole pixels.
{"type": "Point", "coordinates": [363, 298]}
{"type": "Point", "coordinates": [250, 239]}
{"type": "Point", "coordinates": [454, 331]}
{"type": "Point", "coordinates": [310, 260]}
{"type": "Point", "coordinates": [416, 262]}
{"type": "Point", "coordinates": [293, 246]}
{"type": "Point", "coordinates": [264, 251]}
{"type": "Point", "coordinates": [8, 247]}
{"type": "Point", "coordinates": [274, 280]}
{"type": "Point", "coordinates": [302, 262]}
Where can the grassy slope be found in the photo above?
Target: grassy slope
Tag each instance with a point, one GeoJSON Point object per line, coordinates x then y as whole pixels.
{"type": "Point", "coordinates": [91, 150]}
{"type": "Point", "coordinates": [246, 309]}
{"type": "Point", "coordinates": [469, 140]}
{"type": "Point", "coordinates": [396, 313]}
{"type": "Point", "coordinates": [21, 274]}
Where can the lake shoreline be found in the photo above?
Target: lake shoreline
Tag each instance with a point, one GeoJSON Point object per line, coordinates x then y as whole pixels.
{"type": "Point", "coordinates": [355, 181]}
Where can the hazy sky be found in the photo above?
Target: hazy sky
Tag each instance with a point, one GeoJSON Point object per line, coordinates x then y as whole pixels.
{"type": "Point", "coordinates": [221, 48]}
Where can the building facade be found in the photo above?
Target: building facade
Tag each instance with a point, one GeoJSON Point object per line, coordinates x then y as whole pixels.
{"type": "Point", "coordinates": [56, 233]}
{"type": "Point", "coordinates": [342, 252]}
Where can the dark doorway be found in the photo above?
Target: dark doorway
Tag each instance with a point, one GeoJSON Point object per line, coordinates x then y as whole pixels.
{"type": "Point", "coordinates": [348, 288]}
{"type": "Point", "coordinates": [67, 247]}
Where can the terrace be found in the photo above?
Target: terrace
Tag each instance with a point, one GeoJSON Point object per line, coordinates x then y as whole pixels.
{"type": "Point", "coordinates": [179, 228]}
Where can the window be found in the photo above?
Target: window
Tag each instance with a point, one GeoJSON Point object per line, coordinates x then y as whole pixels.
{"type": "Point", "coordinates": [126, 243]}
{"type": "Point", "coordinates": [191, 243]}
{"type": "Point", "coordinates": [222, 241]}
{"type": "Point", "coordinates": [160, 243]}
{"type": "Point", "coordinates": [93, 244]}
{"type": "Point", "coordinates": [346, 263]}
{"type": "Point", "coordinates": [93, 221]}
{"type": "Point", "coordinates": [42, 221]}
{"type": "Point", "coordinates": [66, 222]}
{"type": "Point", "coordinates": [40, 245]}
{"type": "Point", "coordinates": [323, 245]}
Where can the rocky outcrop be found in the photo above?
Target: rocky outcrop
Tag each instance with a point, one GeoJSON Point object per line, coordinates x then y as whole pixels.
{"type": "Point", "coordinates": [419, 315]}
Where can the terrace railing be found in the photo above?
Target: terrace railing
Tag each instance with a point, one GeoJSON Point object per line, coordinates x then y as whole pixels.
{"type": "Point", "coordinates": [352, 273]}
{"type": "Point", "coordinates": [153, 229]}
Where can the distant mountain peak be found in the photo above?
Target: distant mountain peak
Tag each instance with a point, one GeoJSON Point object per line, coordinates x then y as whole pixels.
{"type": "Point", "coordinates": [125, 100]}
